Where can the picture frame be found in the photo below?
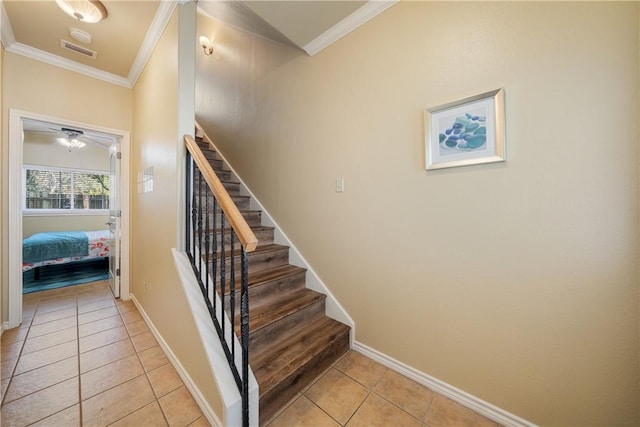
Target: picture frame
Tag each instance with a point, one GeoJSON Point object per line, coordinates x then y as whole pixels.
{"type": "Point", "coordinates": [466, 132]}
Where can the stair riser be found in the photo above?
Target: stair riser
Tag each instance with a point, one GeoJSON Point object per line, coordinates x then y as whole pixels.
{"type": "Point", "coordinates": [253, 218]}
{"type": "Point", "coordinates": [258, 261]}
{"type": "Point", "coordinates": [264, 236]}
{"type": "Point", "coordinates": [242, 202]}
{"type": "Point", "coordinates": [223, 175]}
{"type": "Point", "coordinates": [272, 289]}
{"type": "Point", "coordinates": [278, 396]}
{"type": "Point", "coordinates": [215, 164]}
{"type": "Point", "coordinates": [210, 154]}
{"type": "Point", "coordinates": [269, 333]}
{"type": "Point", "coordinates": [233, 188]}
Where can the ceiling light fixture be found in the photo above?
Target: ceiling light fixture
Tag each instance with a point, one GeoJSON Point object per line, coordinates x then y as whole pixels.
{"type": "Point", "coordinates": [71, 143]}
{"type": "Point", "coordinates": [206, 45]}
{"type": "Point", "coordinates": [90, 11]}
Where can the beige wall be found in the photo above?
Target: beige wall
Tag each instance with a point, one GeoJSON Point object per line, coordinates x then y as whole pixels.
{"type": "Point", "coordinates": [42, 150]}
{"type": "Point", "coordinates": [39, 224]}
{"type": "Point", "coordinates": [154, 214]}
{"type": "Point", "coordinates": [36, 87]}
{"type": "Point", "coordinates": [515, 282]}
{"type": "Point", "coordinates": [45, 151]}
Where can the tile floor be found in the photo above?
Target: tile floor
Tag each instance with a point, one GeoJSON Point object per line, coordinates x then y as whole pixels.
{"type": "Point", "coordinates": [357, 391]}
{"type": "Point", "coordinates": [82, 358]}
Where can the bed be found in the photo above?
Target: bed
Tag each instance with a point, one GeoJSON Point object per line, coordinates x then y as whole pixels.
{"type": "Point", "coordinates": [62, 247]}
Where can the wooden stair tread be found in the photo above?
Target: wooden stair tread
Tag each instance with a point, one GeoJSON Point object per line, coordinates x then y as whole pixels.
{"type": "Point", "coordinates": [293, 352]}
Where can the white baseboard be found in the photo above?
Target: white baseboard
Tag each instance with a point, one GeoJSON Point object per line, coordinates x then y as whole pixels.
{"type": "Point", "coordinates": [206, 409]}
{"type": "Point", "coordinates": [478, 405]}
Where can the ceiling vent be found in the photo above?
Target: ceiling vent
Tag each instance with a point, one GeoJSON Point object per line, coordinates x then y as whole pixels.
{"type": "Point", "coordinates": [79, 49]}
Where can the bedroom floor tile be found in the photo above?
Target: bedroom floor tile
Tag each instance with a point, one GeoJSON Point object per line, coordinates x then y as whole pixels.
{"type": "Point", "coordinates": [77, 365]}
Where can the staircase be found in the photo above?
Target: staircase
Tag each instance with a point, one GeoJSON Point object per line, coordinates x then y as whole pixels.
{"type": "Point", "coordinates": [291, 340]}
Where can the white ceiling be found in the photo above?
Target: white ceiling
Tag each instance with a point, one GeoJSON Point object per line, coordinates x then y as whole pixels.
{"type": "Point", "coordinates": [125, 39]}
{"type": "Point", "coordinates": [47, 133]}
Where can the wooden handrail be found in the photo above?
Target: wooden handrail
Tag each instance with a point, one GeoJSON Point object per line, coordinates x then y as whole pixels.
{"type": "Point", "coordinates": [235, 218]}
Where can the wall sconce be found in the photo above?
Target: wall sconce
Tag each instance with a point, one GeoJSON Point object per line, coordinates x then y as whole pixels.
{"type": "Point", "coordinates": [206, 45]}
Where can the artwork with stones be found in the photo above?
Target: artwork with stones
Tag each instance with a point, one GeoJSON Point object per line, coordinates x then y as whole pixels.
{"type": "Point", "coordinates": [466, 132]}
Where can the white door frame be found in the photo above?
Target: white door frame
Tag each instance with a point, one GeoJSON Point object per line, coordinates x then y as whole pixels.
{"type": "Point", "coordinates": [15, 204]}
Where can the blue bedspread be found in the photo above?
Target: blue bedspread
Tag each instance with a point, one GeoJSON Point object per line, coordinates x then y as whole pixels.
{"type": "Point", "coordinates": [62, 244]}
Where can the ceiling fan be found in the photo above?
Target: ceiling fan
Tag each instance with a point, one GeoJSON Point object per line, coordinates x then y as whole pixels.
{"type": "Point", "coordinates": [69, 137]}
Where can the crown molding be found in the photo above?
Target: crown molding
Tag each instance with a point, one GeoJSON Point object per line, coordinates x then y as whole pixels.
{"type": "Point", "coordinates": [6, 31]}
{"type": "Point", "coordinates": [159, 23]}
{"type": "Point", "coordinates": [58, 61]}
{"type": "Point", "coordinates": [367, 12]}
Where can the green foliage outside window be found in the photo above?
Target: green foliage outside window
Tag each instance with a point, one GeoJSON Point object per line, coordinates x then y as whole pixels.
{"type": "Point", "coordinates": [66, 189]}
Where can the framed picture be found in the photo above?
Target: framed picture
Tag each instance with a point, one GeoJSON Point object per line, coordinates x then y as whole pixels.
{"type": "Point", "coordinates": [466, 132]}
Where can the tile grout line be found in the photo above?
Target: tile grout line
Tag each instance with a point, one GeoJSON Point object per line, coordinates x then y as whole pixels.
{"type": "Point", "coordinates": [39, 304]}
{"type": "Point", "coordinates": [370, 391]}
{"type": "Point", "coordinates": [145, 373]}
{"type": "Point", "coordinates": [24, 341]}
{"type": "Point", "coordinates": [18, 360]}
{"type": "Point", "coordinates": [80, 418]}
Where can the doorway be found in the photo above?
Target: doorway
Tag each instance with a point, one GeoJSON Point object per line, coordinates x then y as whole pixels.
{"type": "Point", "coordinates": [118, 141]}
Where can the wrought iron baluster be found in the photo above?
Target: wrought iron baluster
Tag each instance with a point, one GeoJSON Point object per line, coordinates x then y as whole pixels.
{"type": "Point", "coordinates": [244, 333]}
{"type": "Point", "coordinates": [194, 213]}
{"type": "Point", "coordinates": [211, 250]}
{"type": "Point", "coordinates": [207, 239]}
{"type": "Point", "coordinates": [223, 261]}
{"type": "Point", "coordinates": [215, 254]}
{"type": "Point", "coordinates": [232, 291]}
{"type": "Point", "coordinates": [187, 234]}
{"type": "Point", "coordinates": [199, 207]}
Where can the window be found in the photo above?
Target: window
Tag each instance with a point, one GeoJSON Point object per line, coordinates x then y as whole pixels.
{"type": "Point", "coordinates": [65, 190]}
